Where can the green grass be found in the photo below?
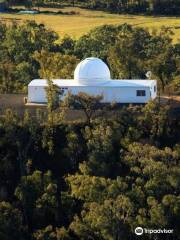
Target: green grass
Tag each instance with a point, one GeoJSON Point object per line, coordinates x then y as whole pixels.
{"type": "Point", "coordinates": [79, 24]}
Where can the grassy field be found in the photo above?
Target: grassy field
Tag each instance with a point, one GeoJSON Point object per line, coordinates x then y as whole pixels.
{"type": "Point", "coordinates": [84, 20]}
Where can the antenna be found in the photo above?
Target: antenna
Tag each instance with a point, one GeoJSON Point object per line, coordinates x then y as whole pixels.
{"type": "Point", "coordinates": [148, 74]}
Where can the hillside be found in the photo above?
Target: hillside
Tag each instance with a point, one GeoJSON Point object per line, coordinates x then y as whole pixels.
{"type": "Point", "coordinates": [76, 21]}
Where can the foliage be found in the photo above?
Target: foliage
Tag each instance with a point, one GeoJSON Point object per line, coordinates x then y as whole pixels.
{"type": "Point", "coordinates": [99, 180]}
{"type": "Point", "coordinates": [50, 234]}
{"type": "Point", "coordinates": [31, 51]}
{"type": "Point", "coordinates": [18, 44]}
{"type": "Point", "coordinates": [96, 43]}
{"type": "Point", "coordinates": [55, 65]}
{"type": "Point", "coordinates": [11, 223]}
{"type": "Point", "coordinates": [94, 179]}
{"type": "Point", "coordinates": [136, 51]}
{"type": "Point", "coordinates": [175, 85]}
{"type": "Point", "coordinates": [126, 6]}
{"type": "Point", "coordinates": [89, 104]}
{"type": "Point", "coordinates": [37, 195]}
{"type": "Point", "coordinates": [115, 207]}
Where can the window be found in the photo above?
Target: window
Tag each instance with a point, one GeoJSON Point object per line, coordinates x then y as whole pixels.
{"type": "Point", "coordinates": [154, 88]}
{"type": "Point", "coordinates": [140, 93]}
{"type": "Point", "coordinates": [63, 88]}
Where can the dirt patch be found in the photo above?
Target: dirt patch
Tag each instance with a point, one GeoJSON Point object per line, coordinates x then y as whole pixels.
{"type": "Point", "coordinates": [16, 103]}
{"type": "Point", "coordinates": [174, 101]}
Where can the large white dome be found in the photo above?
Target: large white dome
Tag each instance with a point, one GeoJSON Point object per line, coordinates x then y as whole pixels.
{"type": "Point", "coordinates": [92, 71]}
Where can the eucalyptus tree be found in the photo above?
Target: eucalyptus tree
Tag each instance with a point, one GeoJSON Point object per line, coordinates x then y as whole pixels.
{"type": "Point", "coordinates": [55, 65]}
{"type": "Point", "coordinates": [85, 102]}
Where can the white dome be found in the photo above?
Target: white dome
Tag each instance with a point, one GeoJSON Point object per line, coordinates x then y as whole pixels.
{"type": "Point", "coordinates": [92, 71]}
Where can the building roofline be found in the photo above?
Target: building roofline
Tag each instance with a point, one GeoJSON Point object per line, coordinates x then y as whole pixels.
{"type": "Point", "coordinates": [110, 83]}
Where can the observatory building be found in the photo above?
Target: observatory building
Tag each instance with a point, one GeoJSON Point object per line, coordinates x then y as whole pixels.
{"type": "Point", "coordinates": [93, 77]}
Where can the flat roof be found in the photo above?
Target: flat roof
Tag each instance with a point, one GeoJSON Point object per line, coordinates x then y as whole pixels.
{"type": "Point", "coordinates": [110, 83]}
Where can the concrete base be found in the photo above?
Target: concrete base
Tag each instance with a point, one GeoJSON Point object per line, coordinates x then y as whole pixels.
{"type": "Point", "coordinates": [36, 104]}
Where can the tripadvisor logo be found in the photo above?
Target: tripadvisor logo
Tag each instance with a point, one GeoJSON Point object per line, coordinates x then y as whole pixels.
{"type": "Point", "coordinates": [140, 231]}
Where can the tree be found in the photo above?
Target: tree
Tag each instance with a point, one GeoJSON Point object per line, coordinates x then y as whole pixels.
{"type": "Point", "coordinates": [7, 76]}
{"type": "Point", "coordinates": [55, 65]}
{"type": "Point", "coordinates": [102, 158]}
{"type": "Point", "coordinates": [136, 51]}
{"type": "Point", "coordinates": [162, 60]}
{"type": "Point", "coordinates": [96, 43]}
{"type": "Point", "coordinates": [156, 120]}
{"type": "Point", "coordinates": [175, 86]}
{"type": "Point", "coordinates": [11, 223]}
{"type": "Point", "coordinates": [49, 233]}
{"type": "Point", "coordinates": [18, 44]}
{"type": "Point", "coordinates": [105, 212]}
{"type": "Point", "coordinates": [127, 56]}
{"type": "Point", "coordinates": [82, 101]}
{"type": "Point", "coordinates": [67, 45]}
{"type": "Point", "coordinates": [38, 3]}
{"type": "Point", "coordinates": [53, 96]}
{"type": "Point", "coordinates": [37, 195]}
{"type": "Point", "coordinates": [106, 221]}
{"type": "Point", "coordinates": [95, 189]}
{"type": "Point", "coordinates": [112, 208]}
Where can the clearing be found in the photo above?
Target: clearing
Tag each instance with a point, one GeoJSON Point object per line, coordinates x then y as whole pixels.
{"type": "Point", "coordinates": [80, 21]}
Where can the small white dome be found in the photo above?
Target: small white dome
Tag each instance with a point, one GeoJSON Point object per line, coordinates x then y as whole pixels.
{"type": "Point", "coordinates": [92, 71]}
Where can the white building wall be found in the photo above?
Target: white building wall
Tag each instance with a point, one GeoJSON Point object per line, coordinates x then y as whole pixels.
{"type": "Point", "coordinates": [37, 94]}
{"type": "Point", "coordinates": [154, 90]}
{"type": "Point", "coordinates": [115, 94]}
{"type": "Point", "coordinates": [127, 95]}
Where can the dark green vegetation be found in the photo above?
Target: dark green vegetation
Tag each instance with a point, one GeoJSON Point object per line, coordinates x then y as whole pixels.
{"type": "Point", "coordinates": [96, 179]}
{"type": "Point", "coordinates": [171, 7]}
{"type": "Point", "coordinates": [101, 177]}
{"type": "Point", "coordinates": [30, 51]}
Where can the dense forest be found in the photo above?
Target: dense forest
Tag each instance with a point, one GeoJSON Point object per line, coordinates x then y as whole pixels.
{"type": "Point", "coordinates": [97, 178]}
{"type": "Point", "coordinates": [162, 7]}
{"type": "Point", "coordinates": [100, 177]}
